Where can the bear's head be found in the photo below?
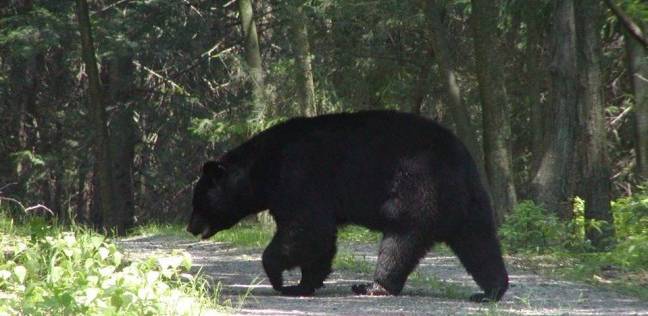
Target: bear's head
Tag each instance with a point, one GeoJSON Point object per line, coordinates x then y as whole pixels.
{"type": "Point", "coordinates": [219, 199]}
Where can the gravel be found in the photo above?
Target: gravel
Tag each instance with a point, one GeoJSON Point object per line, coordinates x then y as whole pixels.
{"type": "Point", "coordinates": [243, 286]}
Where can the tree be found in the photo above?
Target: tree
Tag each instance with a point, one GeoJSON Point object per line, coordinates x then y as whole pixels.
{"type": "Point", "coordinates": [593, 139]}
{"type": "Point", "coordinates": [496, 120]}
{"type": "Point", "coordinates": [638, 71]}
{"type": "Point", "coordinates": [253, 59]}
{"type": "Point", "coordinates": [304, 71]}
{"type": "Point", "coordinates": [98, 120]}
{"type": "Point", "coordinates": [122, 137]}
{"type": "Point", "coordinates": [439, 42]}
{"type": "Point", "coordinates": [535, 75]}
{"type": "Point", "coordinates": [550, 183]}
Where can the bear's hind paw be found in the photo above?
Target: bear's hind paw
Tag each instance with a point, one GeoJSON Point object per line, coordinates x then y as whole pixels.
{"type": "Point", "coordinates": [370, 289]}
{"type": "Point", "coordinates": [297, 290]}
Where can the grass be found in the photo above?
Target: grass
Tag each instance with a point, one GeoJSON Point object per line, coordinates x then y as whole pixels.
{"type": "Point", "coordinates": [357, 234]}
{"type": "Point", "coordinates": [160, 229]}
{"type": "Point", "coordinates": [246, 236]}
{"type": "Point", "coordinates": [249, 235]}
{"type": "Point", "coordinates": [51, 270]}
{"type": "Point", "coordinates": [440, 288]}
{"type": "Point", "coordinates": [351, 262]}
{"type": "Point", "coordinates": [591, 268]}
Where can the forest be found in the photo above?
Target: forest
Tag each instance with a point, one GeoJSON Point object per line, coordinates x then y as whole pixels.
{"type": "Point", "coordinates": [109, 108]}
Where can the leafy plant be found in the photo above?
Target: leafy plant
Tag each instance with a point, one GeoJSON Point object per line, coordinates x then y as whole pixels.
{"type": "Point", "coordinates": [531, 228]}
{"type": "Point", "coordinates": [57, 272]}
{"type": "Point", "coordinates": [631, 228]}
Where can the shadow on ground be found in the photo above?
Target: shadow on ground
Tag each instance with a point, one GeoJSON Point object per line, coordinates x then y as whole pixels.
{"type": "Point", "coordinates": [439, 286]}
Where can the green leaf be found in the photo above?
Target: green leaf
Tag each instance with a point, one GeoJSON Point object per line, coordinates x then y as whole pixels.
{"type": "Point", "coordinates": [103, 253]}
{"type": "Point", "coordinates": [56, 274]}
{"type": "Point", "coordinates": [20, 273]}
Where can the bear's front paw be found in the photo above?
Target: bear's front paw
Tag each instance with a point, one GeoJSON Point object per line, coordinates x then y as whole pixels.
{"type": "Point", "coordinates": [297, 290]}
{"type": "Point", "coordinates": [371, 289]}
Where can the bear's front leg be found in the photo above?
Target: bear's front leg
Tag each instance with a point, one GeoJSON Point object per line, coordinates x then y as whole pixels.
{"type": "Point", "coordinates": [274, 263]}
{"type": "Point", "coordinates": [316, 252]}
{"type": "Point", "coordinates": [276, 260]}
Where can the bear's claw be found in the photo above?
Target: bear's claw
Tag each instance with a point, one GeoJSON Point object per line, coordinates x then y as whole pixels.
{"type": "Point", "coordinates": [371, 289]}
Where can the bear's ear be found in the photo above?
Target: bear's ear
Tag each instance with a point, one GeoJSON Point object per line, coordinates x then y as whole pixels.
{"type": "Point", "coordinates": [213, 169]}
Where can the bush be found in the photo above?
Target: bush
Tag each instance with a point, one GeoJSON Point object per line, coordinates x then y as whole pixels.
{"type": "Point", "coordinates": [55, 272]}
{"type": "Point", "coordinates": [531, 228]}
{"type": "Point", "coordinates": [631, 228]}
{"type": "Point", "coordinates": [631, 215]}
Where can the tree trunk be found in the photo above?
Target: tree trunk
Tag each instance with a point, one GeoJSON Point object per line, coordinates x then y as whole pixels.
{"type": "Point", "coordinates": [253, 59]}
{"type": "Point", "coordinates": [549, 184]}
{"type": "Point", "coordinates": [420, 89]}
{"type": "Point", "coordinates": [638, 70]}
{"type": "Point", "coordinates": [595, 166]}
{"type": "Point", "coordinates": [98, 121]}
{"type": "Point", "coordinates": [437, 24]}
{"type": "Point", "coordinates": [84, 191]}
{"type": "Point", "coordinates": [304, 72]}
{"type": "Point", "coordinates": [122, 139]}
{"type": "Point", "coordinates": [497, 124]}
{"type": "Point", "coordinates": [535, 76]}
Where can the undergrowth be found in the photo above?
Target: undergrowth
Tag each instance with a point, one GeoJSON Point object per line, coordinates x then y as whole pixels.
{"type": "Point", "coordinates": [50, 270]}
{"type": "Point", "coordinates": [545, 243]}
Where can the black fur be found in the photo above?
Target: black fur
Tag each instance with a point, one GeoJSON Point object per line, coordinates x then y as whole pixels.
{"type": "Point", "coordinates": [397, 173]}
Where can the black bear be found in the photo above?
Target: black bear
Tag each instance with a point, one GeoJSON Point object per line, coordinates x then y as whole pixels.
{"type": "Point", "coordinates": [397, 173]}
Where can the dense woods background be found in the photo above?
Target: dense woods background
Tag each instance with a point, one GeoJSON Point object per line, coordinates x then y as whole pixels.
{"type": "Point", "coordinates": [109, 108]}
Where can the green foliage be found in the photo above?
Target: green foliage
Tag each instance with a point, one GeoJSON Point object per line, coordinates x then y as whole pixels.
{"type": "Point", "coordinates": [578, 225]}
{"type": "Point", "coordinates": [46, 270]}
{"type": "Point", "coordinates": [217, 131]}
{"type": "Point", "coordinates": [352, 262]}
{"type": "Point", "coordinates": [159, 229]}
{"type": "Point", "coordinates": [638, 9]}
{"type": "Point", "coordinates": [631, 228]}
{"type": "Point", "coordinates": [632, 252]}
{"type": "Point", "coordinates": [631, 214]}
{"type": "Point", "coordinates": [565, 251]}
{"type": "Point", "coordinates": [245, 235]}
{"type": "Point", "coordinates": [531, 228]}
{"type": "Point", "coordinates": [221, 131]}
{"type": "Point", "coordinates": [357, 234]}
{"type": "Point", "coordinates": [27, 156]}
{"type": "Point", "coordinates": [26, 35]}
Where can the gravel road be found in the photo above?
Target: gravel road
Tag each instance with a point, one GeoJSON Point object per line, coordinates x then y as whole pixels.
{"type": "Point", "coordinates": [243, 283]}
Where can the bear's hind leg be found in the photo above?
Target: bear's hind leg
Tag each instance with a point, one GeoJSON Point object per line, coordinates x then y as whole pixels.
{"type": "Point", "coordinates": [398, 256]}
{"type": "Point", "coordinates": [479, 252]}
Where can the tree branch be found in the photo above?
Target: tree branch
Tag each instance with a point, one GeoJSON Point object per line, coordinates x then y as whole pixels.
{"type": "Point", "coordinates": [177, 88]}
{"type": "Point", "coordinates": [207, 54]}
{"type": "Point", "coordinates": [27, 209]}
{"type": "Point", "coordinates": [39, 206]}
{"type": "Point", "coordinates": [108, 7]}
{"type": "Point", "coordinates": [630, 25]}
{"type": "Point", "coordinates": [7, 185]}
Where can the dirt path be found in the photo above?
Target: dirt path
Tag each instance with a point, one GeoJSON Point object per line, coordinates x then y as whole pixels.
{"type": "Point", "coordinates": [240, 273]}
